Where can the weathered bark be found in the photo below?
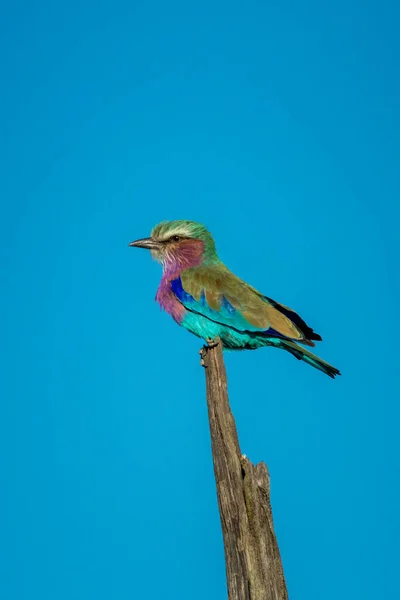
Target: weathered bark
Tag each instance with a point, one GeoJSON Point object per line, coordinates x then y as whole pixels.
{"type": "Point", "coordinates": [253, 564]}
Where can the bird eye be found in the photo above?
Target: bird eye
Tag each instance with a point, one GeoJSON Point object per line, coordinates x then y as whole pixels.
{"type": "Point", "coordinates": [176, 238]}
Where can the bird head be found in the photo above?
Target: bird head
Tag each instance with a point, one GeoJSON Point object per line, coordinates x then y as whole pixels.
{"type": "Point", "coordinates": [181, 243]}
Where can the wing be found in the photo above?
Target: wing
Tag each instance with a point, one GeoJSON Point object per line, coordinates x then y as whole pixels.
{"type": "Point", "coordinates": [217, 294]}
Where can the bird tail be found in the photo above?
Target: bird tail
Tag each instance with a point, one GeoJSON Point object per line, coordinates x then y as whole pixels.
{"type": "Point", "coordinates": [310, 358]}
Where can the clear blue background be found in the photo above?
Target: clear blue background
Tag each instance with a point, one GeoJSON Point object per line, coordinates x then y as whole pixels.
{"type": "Point", "coordinates": [279, 128]}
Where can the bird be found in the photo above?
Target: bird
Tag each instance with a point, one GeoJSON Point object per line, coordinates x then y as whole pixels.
{"type": "Point", "coordinates": [202, 295]}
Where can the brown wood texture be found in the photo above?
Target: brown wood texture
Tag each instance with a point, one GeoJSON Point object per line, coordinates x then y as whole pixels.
{"type": "Point", "coordinates": [253, 564]}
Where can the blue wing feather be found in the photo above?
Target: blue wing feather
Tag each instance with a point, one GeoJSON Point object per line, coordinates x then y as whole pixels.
{"type": "Point", "coordinates": [227, 315]}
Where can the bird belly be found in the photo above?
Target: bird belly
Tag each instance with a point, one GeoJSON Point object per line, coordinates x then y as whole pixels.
{"type": "Point", "coordinates": [231, 338]}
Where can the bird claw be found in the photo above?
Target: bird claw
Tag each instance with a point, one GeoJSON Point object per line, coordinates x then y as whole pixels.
{"type": "Point", "coordinates": [211, 343]}
{"type": "Point", "coordinates": [203, 352]}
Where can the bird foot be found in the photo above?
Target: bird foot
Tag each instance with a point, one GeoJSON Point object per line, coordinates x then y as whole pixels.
{"type": "Point", "coordinates": [211, 343]}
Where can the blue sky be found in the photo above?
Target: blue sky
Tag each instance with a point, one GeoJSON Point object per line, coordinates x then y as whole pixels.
{"type": "Point", "coordinates": [278, 127]}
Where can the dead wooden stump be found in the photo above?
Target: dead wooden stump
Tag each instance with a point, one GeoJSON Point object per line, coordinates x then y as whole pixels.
{"type": "Point", "coordinates": [253, 564]}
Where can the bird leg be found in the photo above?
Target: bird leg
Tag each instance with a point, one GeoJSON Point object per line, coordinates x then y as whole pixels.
{"type": "Point", "coordinates": [211, 343]}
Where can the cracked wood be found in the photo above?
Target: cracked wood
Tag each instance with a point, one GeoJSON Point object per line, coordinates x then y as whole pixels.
{"type": "Point", "coordinates": [253, 564]}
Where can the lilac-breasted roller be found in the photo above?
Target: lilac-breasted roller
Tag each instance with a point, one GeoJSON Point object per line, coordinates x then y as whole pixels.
{"type": "Point", "coordinates": [206, 298]}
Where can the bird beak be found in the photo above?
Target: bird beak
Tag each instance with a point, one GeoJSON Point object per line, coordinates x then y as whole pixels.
{"type": "Point", "coordinates": [148, 243]}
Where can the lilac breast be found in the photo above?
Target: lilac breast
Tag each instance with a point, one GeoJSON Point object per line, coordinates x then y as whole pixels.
{"type": "Point", "coordinates": [168, 301]}
{"type": "Point", "coordinates": [188, 254]}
